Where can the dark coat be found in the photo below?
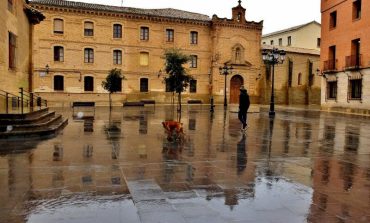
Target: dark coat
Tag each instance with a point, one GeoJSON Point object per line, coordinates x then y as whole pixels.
{"type": "Point", "coordinates": [244, 101]}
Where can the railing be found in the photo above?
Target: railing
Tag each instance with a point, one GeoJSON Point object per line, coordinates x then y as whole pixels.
{"type": "Point", "coordinates": [330, 65]}
{"type": "Point", "coordinates": [354, 61]}
{"type": "Point", "coordinates": [11, 103]}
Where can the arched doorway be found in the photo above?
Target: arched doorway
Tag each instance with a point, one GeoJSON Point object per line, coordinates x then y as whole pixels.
{"type": "Point", "coordinates": [235, 83]}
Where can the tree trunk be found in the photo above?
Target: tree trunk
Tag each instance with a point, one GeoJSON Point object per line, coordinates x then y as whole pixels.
{"type": "Point", "coordinates": [179, 100]}
{"type": "Point", "coordinates": [110, 101]}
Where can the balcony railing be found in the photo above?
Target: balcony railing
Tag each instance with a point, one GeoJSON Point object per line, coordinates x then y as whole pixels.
{"type": "Point", "coordinates": [330, 65]}
{"type": "Point", "coordinates": [353, 61]}
{"type": "Point", "coordinates": [21, 103]}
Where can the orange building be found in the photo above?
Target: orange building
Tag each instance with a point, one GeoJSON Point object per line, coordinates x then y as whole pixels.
{"type": "Point", "coordinates": [345, 54]}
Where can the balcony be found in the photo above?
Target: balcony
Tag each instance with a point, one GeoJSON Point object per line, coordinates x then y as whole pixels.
{"type": "Point", "coordinates": [330, 65]}
{"type": "Point", "coordinates": [353, 62]}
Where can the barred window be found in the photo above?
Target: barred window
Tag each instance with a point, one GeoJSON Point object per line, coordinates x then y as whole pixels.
{"type": "Point", "coordinates": [355, 89]}
{"type": "Point", "coordinates": [144, 33]}
{"type": "Point", "coordinates": [89, 29]}
{"type": "Point", "coordinates": [117, 57]}
{"type": "Point", "coordinates": [58, 26]}
{"type": "Point", "coordinates": [117, 31]}
{"type": "Point", "coordinates": [194, 37]}
{"type": "Point", "coordinates": [89, 55]}
{"type": "Point", "coordinates": [332, 89]}
{"type": "Point", "coordinates": [58, 53]}
{"type": "Point", "coordinates": [169, 35]}
{"type": "Point", "coordinates": [193, 61]}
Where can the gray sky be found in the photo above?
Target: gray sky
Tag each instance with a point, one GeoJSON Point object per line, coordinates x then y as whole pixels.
{"type": "Point", "coordinates": [277, 14]}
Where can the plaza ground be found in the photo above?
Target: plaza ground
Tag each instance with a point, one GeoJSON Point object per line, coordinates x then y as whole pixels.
{"type": "Point", "coordinates": [302, 166]}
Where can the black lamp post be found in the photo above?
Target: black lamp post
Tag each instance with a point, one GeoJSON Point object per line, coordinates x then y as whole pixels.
{"type": "Point", "coordinates": [272, 57]}
{"type": "Point", "coordinates": [47, 68]}
{"type": "Point", "coordinates": [225, 70]}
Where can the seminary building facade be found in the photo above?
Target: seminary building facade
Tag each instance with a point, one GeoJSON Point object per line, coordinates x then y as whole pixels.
{"type": "Point", "coordinates": [78, 43]}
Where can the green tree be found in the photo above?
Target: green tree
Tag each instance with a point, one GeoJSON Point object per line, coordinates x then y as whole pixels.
{"type": "Point", "coordinates": [177, 78]}
{"type": "Point", "coordinates": [113, 83]}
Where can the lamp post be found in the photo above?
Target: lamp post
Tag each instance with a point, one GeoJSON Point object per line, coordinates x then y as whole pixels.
{"type": "Point", "coordinates": [272, 57]}
{"type": "Point", "coordinates": [47, 68]}
{"type": "Point", "coordinates": [225, 70]}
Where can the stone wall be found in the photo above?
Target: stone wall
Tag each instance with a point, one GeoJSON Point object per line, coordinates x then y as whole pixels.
{"type": "Point", "coordinates": [16, 22]}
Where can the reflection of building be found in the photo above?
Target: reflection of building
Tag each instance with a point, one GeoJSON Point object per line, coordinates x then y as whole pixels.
{"type": "Point", "coordinates": [81, 42]}
{"type": "Point", "coordinates": [17, 19]}
{"type": "Point", "coordinates": [302, 36]}
{"type": "Point", "coordinates": [295, 81]}
{"type": "Point", "coordinates": [345, 55]}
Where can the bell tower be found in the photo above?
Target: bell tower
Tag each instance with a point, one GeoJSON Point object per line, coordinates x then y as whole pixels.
{"type": "Point", "coordinates": [239, 13]}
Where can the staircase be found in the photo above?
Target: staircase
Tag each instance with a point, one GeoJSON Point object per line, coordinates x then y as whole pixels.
{"type": "Point", "coordinates": [36, 124]}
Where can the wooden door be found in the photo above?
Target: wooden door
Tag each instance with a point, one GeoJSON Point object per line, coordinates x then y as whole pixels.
{"type": "Point", "coordinates": [235, 83]}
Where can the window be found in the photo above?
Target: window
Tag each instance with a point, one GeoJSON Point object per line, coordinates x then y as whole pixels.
{"type": "Point", "coordinates": [143, 84]}
{"type": "Point", "coordinates": [12, 47]}
{"type": "Point", "coordinates": [58, 53]}
{"type": "Point", "coordinates": [193, 61]}
{"type": "Point", "coordinates": [194, 37]}
{"type": "Point", "coordinates": [289, 40]}
{"type": "Point", "coordinates": [318, 42]}
{"type": "Point", "coordinates": [300, 79]}
{"type": "Point", "coordinates": [119, 85]}
{"type": "Point", "coordinates": [88, 83]}
{"type": "Point", "coordinates": [290, 73]}
{"type": "Point", "coordinates": [144, 33]}
{"type": "Point", "coordinates": [355, 58]}
{"type": "Point", "coordinates": [117, 57]}
{"type": "Point", "coordinates": [310, 73]}
{"type": "Point", "coordinates": [144, 59]}
{"type": "Point", "coordinates": [58, 26]}
{"type": "Point", "coordinates": [331, 63]}
{"type": "Point", "coordinates": [193, 86]}
{"type": "Point", "coordinates": [10, 5]}
{"type": "Point", "coordinates": [89, 29]}
{"type": "Point", "coordinates": [355, 89]}
{"type": "Point", "coordinates": [238, 55]}
{"type": "Point", "coordinates": [332, 90]}
{"type": "Point", "coordinates": [89, 55]}
{"type": "Point", "coordinates": [169, 35]}
{"type": "Point", "coordinates": [271, 42]}
{"type": "Point", "coordinates": [333, 20]}
{"type": "Point", "coordinates": [117, 31]}
{"type": "Point", "coordinates": [280, 41]}
{"type": "Point", "coordinates": [357, 9]}
{"type": "Point", "coordinates": [58, 83]}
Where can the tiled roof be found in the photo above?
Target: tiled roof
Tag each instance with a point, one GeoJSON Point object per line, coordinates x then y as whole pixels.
{"type": "Point", "coordinates": [292, 49]}
{"type": "Point", "coordinates": [290, 29]}
{"type": "Point", "coordinates": [167, 12]}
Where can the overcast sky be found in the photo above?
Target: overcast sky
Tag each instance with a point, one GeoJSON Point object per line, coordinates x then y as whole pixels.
{"type": "Point", "coordinates": [277, 14]}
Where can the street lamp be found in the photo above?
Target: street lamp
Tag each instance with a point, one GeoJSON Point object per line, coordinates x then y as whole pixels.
{"type": "Point", "coordinates": [272, 57]}
{"type": "Point", "coordinates": [225, 70]}
{"type": "Point", "coordinates": [47, 68]}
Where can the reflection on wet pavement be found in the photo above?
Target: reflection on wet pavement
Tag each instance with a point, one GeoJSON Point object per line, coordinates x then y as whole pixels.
{"type": "Point", "coordinates": [120, 167]}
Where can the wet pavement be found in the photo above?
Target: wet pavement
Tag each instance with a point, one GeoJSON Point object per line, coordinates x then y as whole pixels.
{"type": "Point", "coordinates": [302, 166]}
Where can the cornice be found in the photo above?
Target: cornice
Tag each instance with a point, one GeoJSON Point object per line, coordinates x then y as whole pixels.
{"type": "Point", "coordinates": [124, 15]}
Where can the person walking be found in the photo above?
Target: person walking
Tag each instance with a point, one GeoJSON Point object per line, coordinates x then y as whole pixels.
{"type": "Point", "coordinates": [244, 104]}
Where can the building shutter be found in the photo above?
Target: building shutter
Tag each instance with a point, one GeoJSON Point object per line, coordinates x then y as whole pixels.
{"type": "Point", "coordinates": [58, 26]}
{"type": "Point", "coordinates": [144, 59]}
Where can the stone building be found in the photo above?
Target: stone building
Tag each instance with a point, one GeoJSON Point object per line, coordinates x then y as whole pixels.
{"type": "Point", "coordinates": [303, 36]}
{"type": "Point", "coordinates": [295, 80]}
{"type": "Point", "coordinates": [345, 55]}
{"type": "Point", "coordinates": [17, 19]}
{"type": "Point", "coordinates": [81, 42]}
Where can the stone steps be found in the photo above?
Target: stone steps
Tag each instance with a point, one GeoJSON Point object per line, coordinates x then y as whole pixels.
{"type": "Point", "coordinates": [37, 124]}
